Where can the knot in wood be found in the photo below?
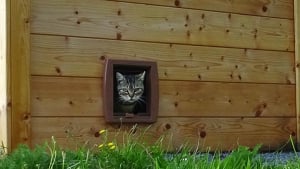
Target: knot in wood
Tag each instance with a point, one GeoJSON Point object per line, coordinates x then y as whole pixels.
{"type": "Point", "coordinates": [97, 134]}
{"type": "Point", "coordinates": [202, 134]}
{"type": "Point", "coordinates": [168, 126]}
{"type": "Point", "coordinates": [264, 9]}
{"type": "Point", "coordinates": [177, 3]}
{"type": "Point", "coordinates": [119, 36]}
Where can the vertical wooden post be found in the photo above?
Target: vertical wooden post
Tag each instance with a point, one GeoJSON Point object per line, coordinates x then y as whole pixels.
{"type": "Point", "coordinates": [297, 61]}
{"type": "Point", "coordinates": [4, 120]}
{"type": "Point", "coordinates": [19, 71]}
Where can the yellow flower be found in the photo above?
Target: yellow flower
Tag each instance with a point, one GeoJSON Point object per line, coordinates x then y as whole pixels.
{"type": "Point", "coordinates": [102, 131]}
{"type": "Point", "coordinates": [101, 145]}
{"type": "Point", "coordinates": [113, 147]}
{"type": "Point", "coordinates": [110, 144]}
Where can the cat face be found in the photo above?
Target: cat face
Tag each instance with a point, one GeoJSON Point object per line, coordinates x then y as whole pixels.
{"type": "Point", "coordinates": [130, 87]}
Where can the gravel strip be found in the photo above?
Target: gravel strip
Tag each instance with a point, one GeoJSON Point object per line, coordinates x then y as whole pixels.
{"type": "Point", "coordinates": [279, 158]}
{"type": "Point", "coordinates": [268, 159]}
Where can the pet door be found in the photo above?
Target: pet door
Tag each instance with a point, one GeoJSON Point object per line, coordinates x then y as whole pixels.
{"type": "Point", "coordinates": [130, 91]}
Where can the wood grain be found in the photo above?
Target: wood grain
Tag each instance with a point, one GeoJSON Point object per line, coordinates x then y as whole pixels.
{"type": "Point", "coordinates": [276, 8]}
{"type": "Point", "coordinates": [140, 22]}
{"type": "Point", "coordinates": [216, 133]}
{"type": "Point", "coordinates": [297, 58]}
{"type": "Point", "coordinates": [19, 59]}
{"type": "Point", "coordinates": [70, 96]}
{"type": "Point", "coordinates": [66, 96]}
{"type": "Point", "coordinates": [69, 56]}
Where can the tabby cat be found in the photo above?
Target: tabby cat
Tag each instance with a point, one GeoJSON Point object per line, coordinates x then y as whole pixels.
{"type": "Point", "coordinates": [130, 90]}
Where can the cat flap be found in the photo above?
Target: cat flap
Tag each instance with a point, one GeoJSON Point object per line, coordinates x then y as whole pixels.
{"type": "Point", "coordinates": [130, 91]}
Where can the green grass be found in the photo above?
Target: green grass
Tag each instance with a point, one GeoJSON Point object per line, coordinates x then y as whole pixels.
{"type": "Point", "coordinates": [2, 150]}
{"type": "Point", "coordinates": [132, 155]}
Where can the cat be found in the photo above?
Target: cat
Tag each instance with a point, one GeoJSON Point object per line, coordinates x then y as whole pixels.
{"type": "Point", "coordinates": [129, 93]}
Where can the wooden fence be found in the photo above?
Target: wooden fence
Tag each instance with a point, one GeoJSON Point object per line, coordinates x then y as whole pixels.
{"type": "Point", "coordinates": [227, 69]}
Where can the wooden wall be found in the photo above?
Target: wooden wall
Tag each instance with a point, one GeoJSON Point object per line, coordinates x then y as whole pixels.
{"type": "Point", "coordinates": [226, 68]}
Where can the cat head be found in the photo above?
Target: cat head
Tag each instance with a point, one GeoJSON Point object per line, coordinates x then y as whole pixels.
{"type": "Point", "coordinates": [130, 87]}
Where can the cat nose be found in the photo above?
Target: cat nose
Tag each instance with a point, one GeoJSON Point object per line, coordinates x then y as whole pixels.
{"type": "Point", "coordinates": [130, 95]}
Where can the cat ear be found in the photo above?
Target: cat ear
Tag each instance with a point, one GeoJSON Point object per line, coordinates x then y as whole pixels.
{"type": "Point", "coordinates": [142, 75]}
{"type": "Point", "coordinates": [119, 76]}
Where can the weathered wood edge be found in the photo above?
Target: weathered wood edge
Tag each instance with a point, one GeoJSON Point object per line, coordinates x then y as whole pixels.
{"type": "Point", "coordinates": [297, 61]}
{"type": "Point", "coordinates": [19, 71]}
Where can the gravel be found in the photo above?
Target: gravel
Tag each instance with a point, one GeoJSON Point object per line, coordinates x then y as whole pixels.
{"type": "Point", "coordinates": [275, 158]}
{"type": "Point", "coordinates": [279, 158]}
{"type": "Point", "coordinates": [272, 158]}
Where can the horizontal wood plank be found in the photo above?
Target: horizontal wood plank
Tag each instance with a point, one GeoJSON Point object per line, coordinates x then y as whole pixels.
{"type": "Point", "coordinates": [69, 56]}
{"type": "Point", "coordinates": [275, 8]}
{"type": "Point", "coordinates": [140, 22]}
{"type": "Point", "coordinates": [216, 133]}
{"type": "Point", "coordinates": [67, 96]}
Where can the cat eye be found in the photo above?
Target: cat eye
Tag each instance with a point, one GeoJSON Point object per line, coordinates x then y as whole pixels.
{"type": "Point", "coordinates": [123, 91]}
{"type": "Point", "coordinates": [138, 90]}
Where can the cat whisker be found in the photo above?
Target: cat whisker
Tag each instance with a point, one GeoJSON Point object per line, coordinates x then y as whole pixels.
{"type": "Point", "coordinates": [119, 100]}
{"type": "Point", "coordinates": [140, 100]}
